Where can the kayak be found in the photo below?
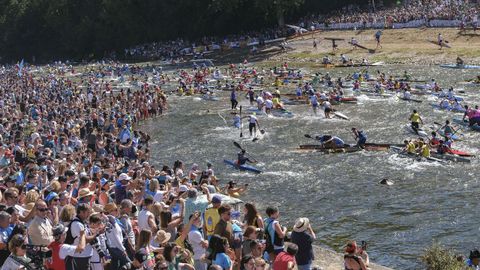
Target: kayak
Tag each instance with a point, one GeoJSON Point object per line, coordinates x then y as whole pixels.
{"type": "Point", "coordinates": [243, 167]}
{"type": "Point", "coordinates": [210, 98]}
{"type": "Point", "coordinates": [453, 158]}
{"type": "Point", "coordinates": [455, 66]}
{"type": "Point", "coordinates": [459, 121]}
{"type": "Point", "coordinates": [443, 95]}
{"type": "Point", "coordinates": [399, 151]}
{"type": "Point", "coordinates": [410, 99]}
{"type": "Point", "coordinates": [449, 108]}
{"type": "Point", "coordinates": [421, 132]}
{"type": "Point", "coordinates": [341, 115]}
{"type": "Point", "coordinates": [319, 146]}
{"type": "Point", "coordinates": [455, 137]}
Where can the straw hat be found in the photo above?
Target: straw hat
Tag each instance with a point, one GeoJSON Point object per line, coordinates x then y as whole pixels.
{"type": "Point", "coordinates": [162, 237]}
{"type": "Point", "coordinates": [84, 192]}
{"type": "Point", "coordinates": [110, 207]}
{"type": "Point", "coordinates": [301, 225]}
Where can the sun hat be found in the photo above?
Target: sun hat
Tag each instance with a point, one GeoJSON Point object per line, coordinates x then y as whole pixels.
{"type": "Point", "coordinates": [301, 225]}
{"type": "Point", "coordinates": [110, 207]}
{"type": "Point", "coordinates": [162, 237]}
{"type": "Point", "coordinates": [216, 199]}
{"type": "Point", "coordinates": [124, 176]}
{"type": "Point", "coordinates": [84, 192]}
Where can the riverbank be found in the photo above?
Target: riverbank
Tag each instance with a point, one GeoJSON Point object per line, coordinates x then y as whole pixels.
{"type": "Point", "coordinates": [328, 259]}
{"type": "Point", "coordinates": [399, 46]}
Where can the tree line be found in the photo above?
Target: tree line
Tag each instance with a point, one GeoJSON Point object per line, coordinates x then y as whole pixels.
{"type": "Point", "coordinates": [83, 29]}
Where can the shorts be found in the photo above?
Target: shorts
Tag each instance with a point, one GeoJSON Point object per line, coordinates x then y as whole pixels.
{"type": "Point", "coordinates": [327, 110]}
{"type": "Point", "coordinates": [415, 125]}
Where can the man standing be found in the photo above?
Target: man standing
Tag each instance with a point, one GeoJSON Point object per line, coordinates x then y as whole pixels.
{"type": "Point", "coordinates": [194, 204]}
{"type": "Point", "coordinates": [81, 260]}
{"type": "Point", "coordinates": [212, 217]}
{"type": "Point", "coordinates": [40, 229]}
{"type": "Point", "coordinates": [196, 239]}
{"type": "Point", "coordinates": [303, 237]}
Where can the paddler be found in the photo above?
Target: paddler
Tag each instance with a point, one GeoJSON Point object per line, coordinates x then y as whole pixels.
{"type": "Point", "coordinates": [252, 124]}
{"type": "Point", "coordinates": [242, 159]}
{"type": "Point", "coordinates": [360, 137]}
{"type": "Point", "coordinates": [329, 141]}
{"type": "Point", "coordinates": [470, 113]}
{"type": "Point", "coordinates": [406, 77]}
{"type": "Point", "coordinates": [434, 141]}
{"type": "Point", "coordinates": [251, 95]}
{"type": "Point", "coordinates": [298, 91]}
{"type": "Point", "coordinates": [416, 120]}
{"type": "Point", "coordinates": [407, 95]}
{"type": "Point", "coordinates": [424, 149]}
{"type": "Point", "coordinates": [410, 147]}
{"type": "Point", "coordinates": [276, 103]}
{"type": "Point", "coordinates": [444, 104]}
{"type": "Point", "coordinates": [440, 40]}
{"type": "Point", "coordinates": [448, 130]}
{"type": "Point", "coordinates": [443, 148]}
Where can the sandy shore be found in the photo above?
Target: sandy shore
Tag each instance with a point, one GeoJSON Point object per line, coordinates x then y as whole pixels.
{"type": "Point", "coordinates": [402, 46]}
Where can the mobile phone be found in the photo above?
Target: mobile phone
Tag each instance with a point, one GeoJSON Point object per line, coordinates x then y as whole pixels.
{"type": "Point", "coordinates": [364, 245]}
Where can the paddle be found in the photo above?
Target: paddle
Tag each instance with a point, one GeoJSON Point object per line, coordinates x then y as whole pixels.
{"type": "Point", "coordinates": [241, 124]}
{"type": "Point", "coordinates": [240, 147]}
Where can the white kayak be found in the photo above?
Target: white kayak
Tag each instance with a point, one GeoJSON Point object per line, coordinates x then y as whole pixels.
{"type": "Point", "coordinates": [421, 132]}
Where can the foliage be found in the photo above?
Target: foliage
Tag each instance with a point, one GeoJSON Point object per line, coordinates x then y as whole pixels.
{"type": "Point", "coordinates": [437, 257]}
{"type": "Point", "coordinates": [69, 29]}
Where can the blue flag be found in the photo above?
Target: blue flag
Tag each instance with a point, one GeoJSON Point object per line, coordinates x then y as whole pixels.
{"type": "Point", "coordinates": [20, 68]}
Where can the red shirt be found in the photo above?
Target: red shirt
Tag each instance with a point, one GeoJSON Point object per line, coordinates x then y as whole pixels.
{"type": "Point", "coordinates": [281, 261]}
{"type": "Point", "coordinates": [57, 263]}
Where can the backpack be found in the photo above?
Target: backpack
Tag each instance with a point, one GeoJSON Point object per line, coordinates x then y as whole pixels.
{"type": "Point", "coordinates": [69, 239]}
{"type": "Point", "coordinates": [269, 248]}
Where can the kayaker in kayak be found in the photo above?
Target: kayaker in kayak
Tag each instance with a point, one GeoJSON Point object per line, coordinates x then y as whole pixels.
{"type": "Point", "coordinates": [444, 104]}
{"type": "Point", "coordinates": [406, 77]}
{"type": "Point", "coordinates": [407, 95]}
{"type": "Point", "coordinates": [329, 141]}
{"type": "Point", "coordinates": [470, 113]}
{"type": "Point", "coordinates": [434, 141]}
{"type": "Point", "coordinates": [448, 130]}
{"type": "Point", "coordinates": [360, 137]}
{"type": "Point", "coordinates": [416, 120]}
{"type": "Point", "coordinates": [410, 147]}
{"type": "Point", "coordinates": [242, 159]}
{"type": "Point", "coordinates": [424, 149]}
{"type": "Point", "coordinates": [443, 148]}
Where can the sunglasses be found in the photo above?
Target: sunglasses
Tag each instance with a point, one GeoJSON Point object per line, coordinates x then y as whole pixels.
{"type": "Point", "coordinates": [42, 209]}
{"type": "Point", "coordinates": [56, 199]}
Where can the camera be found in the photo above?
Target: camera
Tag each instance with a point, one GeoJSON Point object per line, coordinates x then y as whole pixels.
{"type": "Point", "coordinates": [38, 254]}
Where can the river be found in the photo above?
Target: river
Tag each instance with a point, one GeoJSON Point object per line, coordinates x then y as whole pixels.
{"type": "Point", "coordinates": [340, 192]}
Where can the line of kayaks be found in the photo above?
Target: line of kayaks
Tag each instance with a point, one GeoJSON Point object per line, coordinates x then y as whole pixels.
{"type": "Point", "coordinates": [398, 148]}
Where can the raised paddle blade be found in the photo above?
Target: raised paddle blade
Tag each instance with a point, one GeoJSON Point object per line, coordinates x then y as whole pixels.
{"type": "Point", "coordinates": [237, 145]}
{"type": "Point", "coordinates": [241, 124]}
{"type": "Point", "coordinates": [308, 136]}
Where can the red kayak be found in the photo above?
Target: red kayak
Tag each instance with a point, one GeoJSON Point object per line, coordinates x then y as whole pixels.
{"type": "Point", "coordinates": [460, 153]}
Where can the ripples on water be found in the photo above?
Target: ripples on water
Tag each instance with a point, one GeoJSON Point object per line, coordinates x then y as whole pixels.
{"type": "Point", "coordinates": [340, 192]}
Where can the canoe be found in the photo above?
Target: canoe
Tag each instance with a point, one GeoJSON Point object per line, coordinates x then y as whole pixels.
{"type": "Point", "coordinates": [410, 99]}
{"type": "Point", "coordinates": [244, 167]}
{"type": "Point", "coordinates": [449, 108]}
{"type": "Point", "coordinates": [399, 151]}
{"type": "Point", "coordinates": [210, 98]}
{"type": "Point", "coordinates": [459, 121]}
{"type": "Point", "coordinates": [455, 66]}
{"type": "Point", "coordinates": [421, 132]}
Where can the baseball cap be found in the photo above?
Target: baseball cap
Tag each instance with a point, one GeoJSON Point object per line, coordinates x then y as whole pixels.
{"type": "Point", "coordinates": [216, 199]}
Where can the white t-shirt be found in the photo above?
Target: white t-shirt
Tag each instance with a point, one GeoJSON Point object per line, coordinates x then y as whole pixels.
{"type": "Point", "coordinates": [268, 104]}
{"type": "Point", "coordinates": [158, 197]}
{"type": "Point", "coordinates": [252, 119]}
{"type": "Point", "coordinates": [143, 219]}
{"type": "Point", "coordinates": [67, 250]}
{"type": "Point", "coordinates": [76, 227]}
{"type": "Point", "coordinates": [195, 238]}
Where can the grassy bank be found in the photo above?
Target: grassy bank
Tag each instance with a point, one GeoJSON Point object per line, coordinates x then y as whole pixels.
{"type": "Point", "coordinates": [402, 46]}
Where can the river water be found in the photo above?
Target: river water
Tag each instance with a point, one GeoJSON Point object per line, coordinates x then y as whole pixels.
{"type": "Point", "coordinates": [340, 192]}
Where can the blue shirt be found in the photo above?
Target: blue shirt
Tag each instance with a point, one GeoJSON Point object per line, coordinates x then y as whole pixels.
{"type": "Point", "coordinates": [222, 260]}
{"type": "Point", "coordinates": [5, 233]}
